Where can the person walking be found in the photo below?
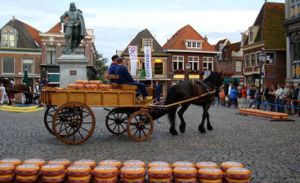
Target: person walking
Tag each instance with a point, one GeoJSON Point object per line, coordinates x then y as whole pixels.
{"type": "Point", "coordinates": [252, 97]}
{"type": "Point", "coordinates": [265, 98]}
{"type": "Point", "coordinates": [287, 97]}
{"type": "Point", "coordinates": [243, 97]}
{"type": "Point", "coordinates": [272, 98]}
{"type": "Point", "coordinates": [222, 96]}
{"type": "Point", "coordinates": [257, 98]}
{"type": "Point", "coordinates": [157, 91]}
{"type": "Point", "coordinates": [233, 97]}
{"type": "Point", "coordinates": [279, 98]}
{"type": "Point", "coordinates": [3, 95]}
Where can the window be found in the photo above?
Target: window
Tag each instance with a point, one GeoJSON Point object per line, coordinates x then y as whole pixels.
{"type": "Point", "coordinates": [247, 60]}
{"type": "Point", "coordinates": [296, 48]}
{"type": "Point", "coordinates": [28, 65]}
{"type": "Point", "coordinates": [8, 37]}
{"type": "Point", "coordinates": [251, 35]}
{"type": "Point", "coordinates": [8, 65]}
{"type": "Point", "coordinates": [208, 63]}
{"type": "Point", "coordinates": [270, 58]}
{"type": "Point", "coordinates": [194, 62]}
{"type": "Point", "coordinates": [158, 68]}
{"type": "Point", "coordinates": [147, 42]}
{"type": "Point", "coordinates": [177, 62]}
{"type": "Point", "coordinates": [51, 56]}
{"type": "Point", "coordinates": [193, 44]}
{"type": "Point", "coordinates": [238, 66]}
{"type": "Point", "coordinates": [253, 59]}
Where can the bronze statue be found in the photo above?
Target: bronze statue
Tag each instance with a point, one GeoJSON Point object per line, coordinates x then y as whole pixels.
{"type": "Point", "coordinates": [74, 28]}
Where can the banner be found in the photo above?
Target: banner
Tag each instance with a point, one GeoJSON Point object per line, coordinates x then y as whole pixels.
{"type": "Point", "coordinates": [148, 64]}
{"type": "Point", "coordinates": [132, 50]}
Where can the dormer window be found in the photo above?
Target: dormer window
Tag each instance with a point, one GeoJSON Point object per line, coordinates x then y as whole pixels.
{"type": "Point", "coordinates": [193, 44]}
{"type": "Point", "coordinates": [147, 42]}
{"type": "Point", "coordinates": [8, 37]}
{"type": "Point", "coordinates": [252, 34]}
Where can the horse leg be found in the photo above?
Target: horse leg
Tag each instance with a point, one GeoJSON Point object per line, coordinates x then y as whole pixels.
{"type": "Point", "coordinates": [201, 126]}
{"type": "Point", "coordinates": [180, 114]}
{"type": "Point", "coordinates": [172, 118]}
{"type": "Point", "coordinates": [209, 127]}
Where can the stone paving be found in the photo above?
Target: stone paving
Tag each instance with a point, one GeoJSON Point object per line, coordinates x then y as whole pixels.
{"type": "Point", "coordinates": [270, 149]}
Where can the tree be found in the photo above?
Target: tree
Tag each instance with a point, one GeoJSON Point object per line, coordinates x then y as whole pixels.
{"type": "Point", "coordinates": [100, 65]}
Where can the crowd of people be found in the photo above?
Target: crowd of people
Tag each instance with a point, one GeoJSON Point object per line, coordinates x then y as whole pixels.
{"type": "Point", "coordinates": [279, 98]}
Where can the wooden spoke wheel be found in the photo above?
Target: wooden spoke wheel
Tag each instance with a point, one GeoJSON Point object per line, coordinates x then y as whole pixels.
{"type": "Point", "coordinates": [73, 123]}
{"type": "Point", "coordinates": [116, 121]}
{"type": "Point", "coordinates": [140, 126]}
{"type": "Point", "coordinates": [48, 117]}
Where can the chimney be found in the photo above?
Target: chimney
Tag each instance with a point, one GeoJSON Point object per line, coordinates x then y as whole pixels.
{"type": "Point", "coordinates": [205, 38]}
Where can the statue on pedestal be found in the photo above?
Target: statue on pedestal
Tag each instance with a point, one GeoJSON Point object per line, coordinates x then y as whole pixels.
{"type": "Point", "coordinates": [74, 28]}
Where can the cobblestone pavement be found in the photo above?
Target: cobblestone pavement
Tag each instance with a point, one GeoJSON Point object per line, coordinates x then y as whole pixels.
{"type": "Point", "coordinates": [270, 149]}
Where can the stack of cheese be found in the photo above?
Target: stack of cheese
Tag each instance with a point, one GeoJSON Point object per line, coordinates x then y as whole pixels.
{"type": "Point", "coordinates": [27, 173]}
{"type": "Point", "coordinates": [53, 173]}
{"type": "Point", "coordinates": [159, 172]}
{"type": "Point", "coordinates": [235, 172]}
{"type": "Point", "coordinates": [114, 163]}
{"type": "Point", "coordinates": [106, 174]}
{"type": "Point", "coordinates": [7, 169]}
{"type": "Point", "coordinates": [133, 171]}
{"type": "Point", "coordinates": [184, 172]}
{"type": "Point", "coordinates": [92, 85]}
{"type": "Point", "coordinates": [80, 171]}
{"type": "Point", "coordinates": [208, 172]}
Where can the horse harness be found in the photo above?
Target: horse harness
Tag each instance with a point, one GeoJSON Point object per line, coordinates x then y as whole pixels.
{"type": "Point", "coordinates": [196, 88]}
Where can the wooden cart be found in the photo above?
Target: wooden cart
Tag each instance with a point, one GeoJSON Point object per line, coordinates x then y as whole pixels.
{"type": "Point", "coordinates": [70, 118]}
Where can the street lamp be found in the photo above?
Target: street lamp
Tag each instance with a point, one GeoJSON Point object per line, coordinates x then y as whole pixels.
{"type": "Point", "coordinates": [262, 60]}
{"type": "Point", "coordinates": [187, 68]}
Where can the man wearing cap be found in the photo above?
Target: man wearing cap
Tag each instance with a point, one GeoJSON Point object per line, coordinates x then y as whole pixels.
{"type": "Point", "coordinates": [126, 78]}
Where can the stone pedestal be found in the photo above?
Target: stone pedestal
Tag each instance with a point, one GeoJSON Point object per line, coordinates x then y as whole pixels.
{"type": "Point", "coordinates": [72, 67]}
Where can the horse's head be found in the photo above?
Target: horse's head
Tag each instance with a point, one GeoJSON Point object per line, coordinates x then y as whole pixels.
{"type": "Point", "coordinates": [215, 78]}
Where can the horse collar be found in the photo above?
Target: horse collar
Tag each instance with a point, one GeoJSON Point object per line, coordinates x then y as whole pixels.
{"type": "Point", "coordinates": [204, 85]}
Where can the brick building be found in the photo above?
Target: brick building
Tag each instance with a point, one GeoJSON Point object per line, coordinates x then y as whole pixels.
{"type": "Point", "coordinates": [52, 43]}
{"type": "Point", "coordinates": [190, 54]}
{"type": "Point", "coordinates": [292, 25]}
{"type": "Point", "coordinates": [267, 32]}
{"type": "Point", "coordinates": [20, 49]}
{"type": "Point", "coordinates": [159, 58]}
{"type": "Point", "coordinates": [230, 61]}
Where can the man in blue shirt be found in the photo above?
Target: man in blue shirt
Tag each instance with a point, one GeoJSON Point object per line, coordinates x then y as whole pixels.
{"type": "Point", "coordinates": [125, 78]}
{"type": "Point", "coordinates": [113, 65]}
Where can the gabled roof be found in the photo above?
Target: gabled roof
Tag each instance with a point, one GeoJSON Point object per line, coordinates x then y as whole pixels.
{"type": "Point", "coordinates": [229, 48]}
{"type": "Point", "coordinates": [138, 41]}
{"type": "Point", "coordinates": [222, 41]}
{"type": "Point", "coordinates": [56, 29]}
{"type": "Point", "coordinates": [177, 41]}
{"type": "Point", "coordinates": [28, 37]}
{"type": "Point", "coordinates": [270, 22]}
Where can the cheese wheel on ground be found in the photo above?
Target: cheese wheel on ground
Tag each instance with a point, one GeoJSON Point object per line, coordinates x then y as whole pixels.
{"type": "Point", "coordinates": [116, 163]}
{"type": "Point", "coordinates": [52, 170]}
{"type": "Point", "coordinates": [6, 178]}
{"type": "Point", "coordinates": [183, 163]}
{"type": "Point", "coordinates": [206, 164]}
{"type": "Point", "coordinates": [140, 180]}
{"type": "Point", "coordinates": [132, 172]}
{"type": "Point", "coordinates": [238, 173]}
{"type": "Point", "coordinates": [153, 180]}
{"type": "Point", "coordinates": [106, 180]}
{"type": "Point", "coordinates": [210, 173]}
{"type": "Point", "coordinates": [185, 172]}
{"type": "Point", "coordinates": [192, 180]}
{"type": "Point", "coordinates": [84, 179]}
{"type": "Point", "coordinates": [6, 168]}
{"type": "Point", "coordinates": [230, 164]}
{"type": "Point", "coordinates": [27, 169]}
{"type": "Point", "coordinates": [79, 170]}
{"type": "Point", "coordinates": [13, 161]}
{"type": "Point", "coordinates": [237, 181]}
{"type": "Point", "coordinates": [158, 164]}
{"type": "Point", "coordinates": [39, 162]}
{"type": "Point", "coordinates": [26, 179]}
{"type": "Point", "coordinates": [105, 171]}
{"type": "Point", "coordinates": [134, 163]}
{"type": "Point", "coordinates": [210, 181]}
{"type": "Point", "coordinates": [64, 162]}
{"type": "Point", "coordinates": [54, 179]}
{"type": "Point", "coordinates": [160, 172]}
{"type": "Point", "coordinates": [86, 162]}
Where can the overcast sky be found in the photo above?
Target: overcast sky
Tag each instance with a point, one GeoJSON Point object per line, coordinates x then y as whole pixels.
{"type": "Point", "coordinates": [116, 22]}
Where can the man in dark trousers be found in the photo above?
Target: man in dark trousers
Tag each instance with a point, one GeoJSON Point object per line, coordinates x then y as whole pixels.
{"type": "Point", "coordinates": [157, 91]}
{"type": "Point", "coordinates": [126, 78]}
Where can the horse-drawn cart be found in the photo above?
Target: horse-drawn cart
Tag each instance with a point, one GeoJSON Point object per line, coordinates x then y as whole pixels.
{"type": "Point", "coordinates": [70, 118]}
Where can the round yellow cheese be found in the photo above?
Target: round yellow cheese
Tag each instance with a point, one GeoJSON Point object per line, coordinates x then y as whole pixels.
{"type": "Point", "coordinates": [210, 173]}
{"type": "Point", "coordinates": [6, 168]}
{"type": "Point", "coordinates": [158, 164]}
{"type": "Point", "coordinates": [160, 172]}
{"type": "Point", "coordinates": [230, 164]}
{"type": "Point", "coordinates": [26, 179]}
{"type": "Point", "coordinates": [83, 179]}
{"type": "Point", "coordinates": [116, 163]}
{"type": "Point", "coordinates": [87, 162]}
{"type": "Point", "coordinates": [54, 179]}
{"type": "Point", "coordinates": [192, 180]}
{"type": "Point", "coordinates": [210, 181]}
{"type": "Point", "coordinates": [134, 163]}
{"type": "Point", "coordinates": [140, 180]}
{"type": "Point", "coordinates": [6, 178]}
{"type": "Point", "coordinates": [52, 169]}
{"type": "Point", "coordinates": [206, 164]}
{"type": "Point", "coordinates": [133, 172]}
{"type": "Point", "coordinates": [64, 162]}
{"type": "Point", "coordinates": [106, 180]}
{"type": "Point", "coordinates": [182, 172]}
{"type": "Point", "coordinates": [153, 180]}
{"type": "Point", "coordinates": [78, 170]}
{"type": "Point", "coordinates": [238, 181]}
{"type": "Point", "coordinates": [27, 169]}
{"type": "Point", "coordinates": [105, 171]}
{"type": "Point", "coordinates": [13, 161]}
{"type": "Point", "coordinates": [238, 173]}
{"type": "Point", "coordinates": [183, 163]}
{"type": "Point", "coordinates": [39, 162]}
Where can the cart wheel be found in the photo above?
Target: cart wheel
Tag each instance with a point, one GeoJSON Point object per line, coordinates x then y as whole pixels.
{"type": "Point", "coordinates": [73, 123]}
{"type": "Point", "coordinates": [116, 121]}
{"type": "Point", "coordinates": [140, 126]}
{"type": "Point", "coordinates": [48, 117]}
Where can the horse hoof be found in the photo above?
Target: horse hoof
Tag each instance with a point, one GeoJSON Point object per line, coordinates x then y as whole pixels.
{"type": "Point", "coordinates": [202, 130]}
{"type": "Point", "coordinates": [210, 128]}
{"type": "Point", "coordinates": [182, 128]}
{"type": "Point", "coordinates": [174, 132]}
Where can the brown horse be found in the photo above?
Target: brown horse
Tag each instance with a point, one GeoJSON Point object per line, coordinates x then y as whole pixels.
{"type": "Point", "coordinates": [186, 90]}
{"type": "Point", "coordinates": [11, 90]}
